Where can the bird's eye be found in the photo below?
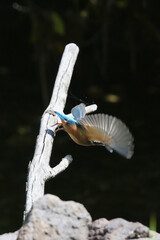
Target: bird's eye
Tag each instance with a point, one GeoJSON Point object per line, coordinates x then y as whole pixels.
{"type": "Point", "coordinates": [68, 123]}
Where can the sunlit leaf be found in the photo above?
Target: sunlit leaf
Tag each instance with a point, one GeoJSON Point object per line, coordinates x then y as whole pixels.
{"type": "Point", "coordinates": [112, 98]}
{"type": "Point", "coordinates": [84, 14]}
{"type": "Point", "coordinates": [58, 23]}
{"type": "Point", "coordinates": [121, 3]}
{"type": "Point", "coordinates": [153, 222]}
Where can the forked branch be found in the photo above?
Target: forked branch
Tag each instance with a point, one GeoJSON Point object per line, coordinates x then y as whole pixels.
{"type": "Point", "coordinates": [39, 169]}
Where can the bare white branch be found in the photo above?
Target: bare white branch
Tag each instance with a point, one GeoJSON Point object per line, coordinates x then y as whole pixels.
{"type": "Point", "coordinates": [52, 172]}
{"type": "Point", "coordinates": [39, 169]}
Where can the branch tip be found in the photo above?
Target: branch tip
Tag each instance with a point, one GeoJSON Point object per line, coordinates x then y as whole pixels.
{"type": "Point", "coordinates": [69, 158]}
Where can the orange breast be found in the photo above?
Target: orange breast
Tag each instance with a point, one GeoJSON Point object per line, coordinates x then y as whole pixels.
{"type": "Point", "coordinates": [78, 134]}
{"type": "Point", "coordinates": [85, 135]}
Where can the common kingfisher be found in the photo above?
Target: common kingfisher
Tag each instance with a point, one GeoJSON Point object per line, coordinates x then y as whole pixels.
{"type": "Point", "coordinates": [98, 129]}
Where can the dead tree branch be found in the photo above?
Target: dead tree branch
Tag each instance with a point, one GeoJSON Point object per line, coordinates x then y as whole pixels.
{"type": "Point", "coordinates": [39, 169]}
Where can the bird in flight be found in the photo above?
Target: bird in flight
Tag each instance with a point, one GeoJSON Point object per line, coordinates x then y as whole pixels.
{"type": "Point", "coordinates": [98, 129]}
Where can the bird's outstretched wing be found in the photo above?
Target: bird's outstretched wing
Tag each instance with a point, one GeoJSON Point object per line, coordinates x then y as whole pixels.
{"type": "Point", "coordinates": [79, 111]}
{"type": "Point", "coordinates": [110, 131]}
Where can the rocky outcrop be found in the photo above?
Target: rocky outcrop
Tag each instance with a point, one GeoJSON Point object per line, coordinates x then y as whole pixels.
{"type": "Point", "coordinates": [54, 219]}
{"type": "Point", "coordinates": [120, 229]}
{"type": "Point", "coordinates": [9, 236]}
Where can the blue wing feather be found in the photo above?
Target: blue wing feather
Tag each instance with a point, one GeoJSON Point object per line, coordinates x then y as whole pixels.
{"type": "Point", "coordinates": [79, 111]}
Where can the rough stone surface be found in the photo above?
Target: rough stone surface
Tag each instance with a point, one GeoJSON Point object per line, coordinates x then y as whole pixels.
{"type": "Point", "coordinates": [54, 219]}
{"type": "Point", "coordinates": [120, 229]}
{"type": "Point", "coordinates": [9, 236]}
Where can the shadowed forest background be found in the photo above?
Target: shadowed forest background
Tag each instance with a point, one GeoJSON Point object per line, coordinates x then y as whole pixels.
{"type": "Point", "coordinates": [118, 68]}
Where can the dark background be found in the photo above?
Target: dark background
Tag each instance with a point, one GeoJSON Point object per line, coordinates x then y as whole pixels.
{"type": "Point", "coordinates": [118, 68]}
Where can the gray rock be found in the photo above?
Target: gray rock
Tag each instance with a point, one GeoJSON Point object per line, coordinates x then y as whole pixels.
{"type": "Point", "coordinates": [9, 236]}
{"type": "Point", "coordinates": [54, 219]}
{"type": "Point", "coordinates": [120, 229]}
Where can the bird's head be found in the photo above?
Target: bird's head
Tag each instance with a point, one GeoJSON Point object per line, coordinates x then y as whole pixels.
{"type": "Point", "coordinates": [66, 119]}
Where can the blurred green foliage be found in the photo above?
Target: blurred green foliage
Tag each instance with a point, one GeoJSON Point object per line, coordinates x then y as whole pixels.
{"type": "Point", "coordinates": [58, 24]}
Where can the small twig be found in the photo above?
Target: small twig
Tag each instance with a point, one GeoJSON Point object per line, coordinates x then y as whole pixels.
{"type": "Point", "coordinates": [52, 172]}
